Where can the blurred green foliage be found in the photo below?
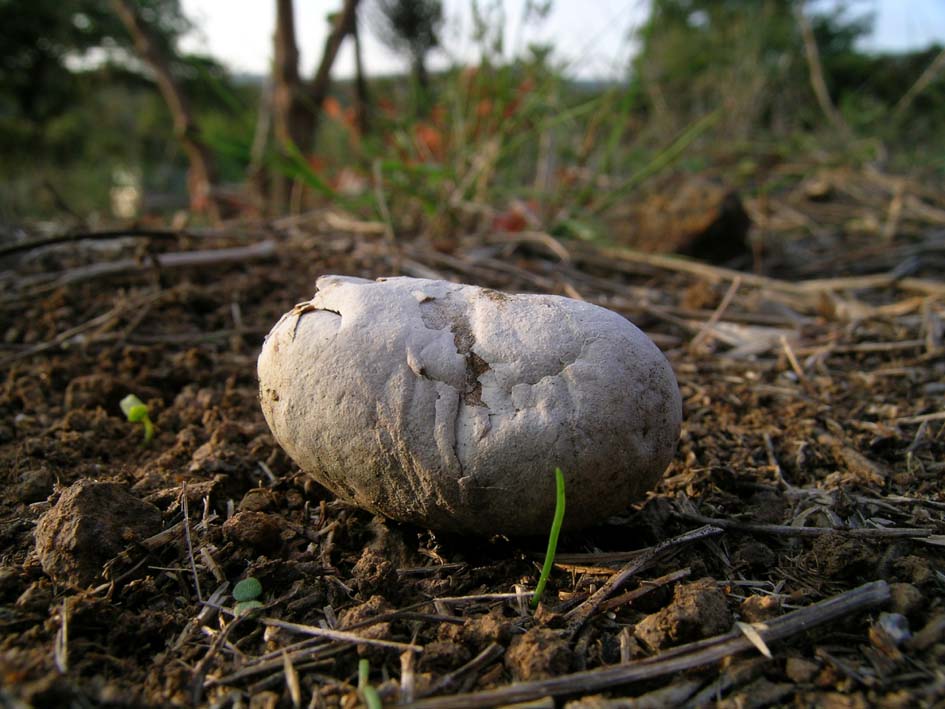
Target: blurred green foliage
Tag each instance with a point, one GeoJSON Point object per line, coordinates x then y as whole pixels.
{"type": "Point", "coordinates": [747, 57]}
{"type": "Point", "coordinates": [711, 77]}
{"type": "Point", "coordinates": [76, 106]}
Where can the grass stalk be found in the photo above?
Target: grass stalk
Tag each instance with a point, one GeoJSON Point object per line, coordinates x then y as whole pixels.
{"type": "Point", "coordinates": [370, 696]}
{"type": "Point", "coordinates": [552, 537]}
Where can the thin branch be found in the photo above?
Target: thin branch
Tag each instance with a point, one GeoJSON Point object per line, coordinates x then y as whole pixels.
{"type": "Point", "coordinates": [31, 244]}
{"type": "Point", "coordinates": [789, 531]}
{"type": "Point", "coordinates": [200, 670]}
{"type": "Point", "coordinates": [618, 256]}
{"type": "Point", "coordinates": [202, 174]}
{"type": "Point", "coordinates": [339, 635]}
{"type": "Point", "coordinates": [180, 259]}
{"type": "Point", "coordinates": [706, 330]}
{"type": "Point", "coordinates": [187, 538]}
{"type": "Point", "coordinates": [645, 588]}
{"type": "Point", "coordinates": [450, 680]}
{"type": "Point", "coordinates": [927, 77]}
{"type": "Point", "coordinates": [344, 23]}
{"type": "Point", "coordinates": [578, 616]}
{"type": "Point", "coordinates": [99, 322]}
{"type": "Point", "coordinates": [816, 72]}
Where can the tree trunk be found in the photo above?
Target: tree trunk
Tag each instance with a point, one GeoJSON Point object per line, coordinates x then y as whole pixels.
{"type": "Point", "coordinates": [289, 123]}
{"type": "Point", "coordinates": [420, 71]}
{"type": "Point", "coordinates": [321, 83]}
{"type": "Point", "coordinates": [421, 84]}
{"type": "Point", "coordinates": [363, 100]}
{"type": "Point", "coordinates": [257, 173]}
{"type": "Point", "coordinates": [202, 174]}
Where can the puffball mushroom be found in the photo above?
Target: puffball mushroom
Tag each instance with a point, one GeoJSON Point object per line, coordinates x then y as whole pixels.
{"type": "Point", "coordinates": [450, 406]}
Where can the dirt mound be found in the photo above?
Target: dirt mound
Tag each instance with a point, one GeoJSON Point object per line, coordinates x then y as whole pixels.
{"type": "Point", "coordinates": [811, 457]}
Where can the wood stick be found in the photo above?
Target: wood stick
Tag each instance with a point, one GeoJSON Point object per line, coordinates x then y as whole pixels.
{"type": "Point", "coordinates": [816, 73]}
{"type": "Point", "coordinates": [937, 416]}
{"type": "Point", "coordinates": [449, 681]}
{"type": "Point", "coordinates": [706, 330]}
{"type": "Point", "coordinates": [179, 259]}
{"type": "Point", "coordinates": [74, 237]}
{"type": "Point", "coordinates": [97, 322]}
{"type": "Point", "coordinates": [927, 77]}
{"type": "Point", "coordinates": [685, 657]}
{"type": "Point", "coordinates": [578, 616]}
{"type": "Point", "coordinates": [787, 530]}
{"type": "Point", "coordinates": [718, 273]}
{"type": "Point", "coordinates": [645, 588]}
{"type": "Point", "coordinates": [338, 635]}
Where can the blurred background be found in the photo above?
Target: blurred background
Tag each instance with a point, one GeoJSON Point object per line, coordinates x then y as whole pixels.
{"type": "Point", "coordinates": [445, 116]}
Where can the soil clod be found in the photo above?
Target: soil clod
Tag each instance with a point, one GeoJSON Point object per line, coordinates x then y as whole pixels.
{"type": "Point", "coordinates": [698, 610]}
{"type": "Point", "coordinates": [538, 654]}
{"type": "Point", "coordinates": [90, 524]}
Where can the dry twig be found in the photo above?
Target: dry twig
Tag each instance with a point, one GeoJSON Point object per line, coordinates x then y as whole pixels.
{"type": "Point", "coordinates": [789, 531]}
{"type": "Point", "coordinates": [180, 259]}
{"type": "Point", "coordinates": [578, 616]}
{"type": "Point", "coordinates": [684, 657]}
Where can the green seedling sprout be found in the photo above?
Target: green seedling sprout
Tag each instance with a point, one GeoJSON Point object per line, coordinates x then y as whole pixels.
{"type": "Point", "coordinates": [136, 411]}
{"type": "Point", "coordinates": [370, 696]}
{"type": "Point", "coordinates": [246, 593]}
{"type": "Point", "coordinates": [552, 537]}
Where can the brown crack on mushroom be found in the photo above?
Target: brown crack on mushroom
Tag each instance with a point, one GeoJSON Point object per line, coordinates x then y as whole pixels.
{"type": "Point", "coordinates": [302, 309]}
{"type": "Point", "coordinates": [442, 314]}
{"type": "Point", "coordinates": [476, 366]}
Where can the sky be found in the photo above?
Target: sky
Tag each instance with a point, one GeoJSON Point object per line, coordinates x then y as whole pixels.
{"type": "Point", "coordinates": [591, 37]}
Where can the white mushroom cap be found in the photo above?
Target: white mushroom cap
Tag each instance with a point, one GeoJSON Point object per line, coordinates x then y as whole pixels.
{"type": "Point", "coordinates": [450, 405]}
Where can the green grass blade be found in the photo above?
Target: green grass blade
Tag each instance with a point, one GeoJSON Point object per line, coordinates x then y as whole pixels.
{"type": "Point", "coordinates": [660, 162]}
{"type": "Point", "coordinates": [552, 537]}
{"type": "Point", "coordinates": [371, 698]}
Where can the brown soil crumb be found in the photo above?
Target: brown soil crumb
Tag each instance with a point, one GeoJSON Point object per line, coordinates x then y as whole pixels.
{"type": "Point", "coordinates": [538, 654]}
{"type": "Point", "coordinates": [90, 524]}
{"type": "Point", "coordinates": [698, 610]}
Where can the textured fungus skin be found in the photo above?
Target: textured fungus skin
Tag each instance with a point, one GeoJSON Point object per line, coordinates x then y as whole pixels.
{"type": "Point", "coordinates": [450, 406]}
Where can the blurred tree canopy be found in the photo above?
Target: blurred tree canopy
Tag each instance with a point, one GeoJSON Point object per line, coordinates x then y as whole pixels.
{"type": "Point", "coordinates": [73, 92]}
{"type": "Point", "coordinates": [78, 105]}
{"type": "Point", "coordinates": [744, 55]}
{"type": "Point", "coordinates": [747, 57]}
{"type": "Point", "coordinates": [412, 26]}
{"type": "Point", "coordinates": [44, 44]}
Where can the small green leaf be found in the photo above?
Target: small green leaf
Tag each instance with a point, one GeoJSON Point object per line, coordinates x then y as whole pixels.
{"type": "Point", "coordinates": [245, 607]}
{"type": "Point", "coordinates": [247, 589]}
{"type": "Point", "coordinates": [131, 406]}
{"type": "Point", "coordinates": [137, 413]}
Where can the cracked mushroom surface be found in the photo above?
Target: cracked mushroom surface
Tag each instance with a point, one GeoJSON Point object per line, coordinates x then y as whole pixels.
{"type": "Point", "coordinates": [450, 406]}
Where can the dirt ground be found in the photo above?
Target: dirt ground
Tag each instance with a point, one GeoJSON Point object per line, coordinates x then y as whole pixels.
{"type": "Point", "coordinates": [810, 465]}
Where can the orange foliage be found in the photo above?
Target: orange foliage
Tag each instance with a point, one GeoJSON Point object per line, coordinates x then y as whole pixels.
{"type": "Point", "coordinates": [518, 216]}
{"type": "Point", "coordinates": [332, 108]}
{"type": "Point", "coordinates": [387, 107]}
{"type": "Point", "coordinates": [484, 108]}
{"type": "Point", "coordinates": [429, 140]}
